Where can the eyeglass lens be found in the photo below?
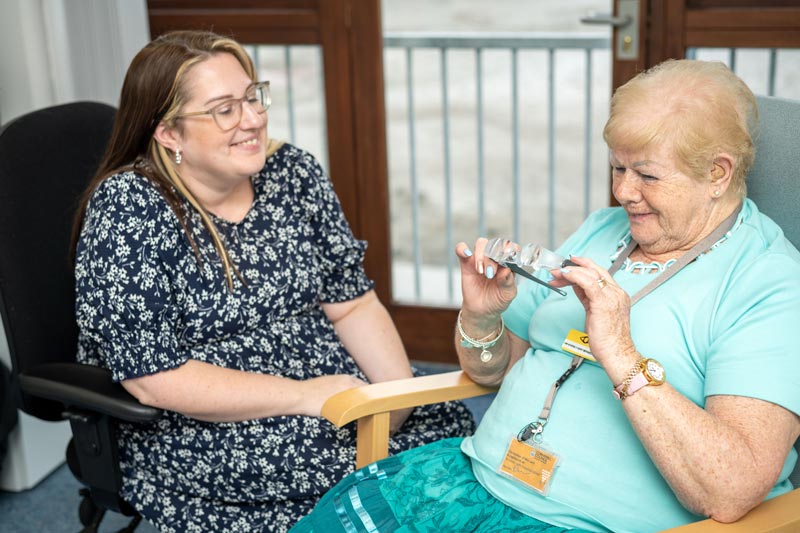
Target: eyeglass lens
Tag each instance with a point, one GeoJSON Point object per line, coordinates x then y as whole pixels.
{"type": "Point", "coordinates": [531, 256]}
{"type": "Point", "coordinates": [229, 114]}
{"type": "Point", "coordinates": [524, 261]}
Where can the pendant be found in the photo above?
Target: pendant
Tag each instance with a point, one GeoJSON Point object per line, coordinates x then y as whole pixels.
{"type": "Point", "coordinates": [486, 355]}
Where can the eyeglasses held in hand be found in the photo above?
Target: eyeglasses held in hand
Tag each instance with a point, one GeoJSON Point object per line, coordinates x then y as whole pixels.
{"type": "Point", "coordinates": [525, 260]}
{"type": "Point", "coordinates": [228, 114]}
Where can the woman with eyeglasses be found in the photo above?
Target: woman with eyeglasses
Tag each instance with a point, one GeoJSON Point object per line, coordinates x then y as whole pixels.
{"type": "Point", "coordinates": [218, 279]}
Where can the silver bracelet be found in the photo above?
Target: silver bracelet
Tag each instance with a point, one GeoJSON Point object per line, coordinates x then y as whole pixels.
{"type": "Point", "coordinates": [483, 344]}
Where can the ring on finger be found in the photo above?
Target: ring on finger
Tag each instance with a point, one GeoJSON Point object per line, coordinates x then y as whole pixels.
{"type": "Point", "coordinates": [602, 283]}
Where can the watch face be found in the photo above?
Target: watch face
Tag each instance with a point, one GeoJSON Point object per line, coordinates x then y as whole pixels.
{"type": "Point", "coordinates": [655, 370]}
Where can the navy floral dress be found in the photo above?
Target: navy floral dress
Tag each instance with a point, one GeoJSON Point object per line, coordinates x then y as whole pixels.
{"type": "Point", "coordinates": [146, 304]}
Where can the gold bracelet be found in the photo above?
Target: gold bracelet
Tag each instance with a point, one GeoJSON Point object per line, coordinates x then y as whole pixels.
{"type": "Point", "coordinates": [483, 344]}
{"type": "Point", "coordinates": [622, 388]}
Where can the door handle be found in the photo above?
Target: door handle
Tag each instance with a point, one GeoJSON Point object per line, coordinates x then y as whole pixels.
{"type": "Point", "coordinates": [607, 18]}
{"type": "Point", "coordinates": [626, 24]}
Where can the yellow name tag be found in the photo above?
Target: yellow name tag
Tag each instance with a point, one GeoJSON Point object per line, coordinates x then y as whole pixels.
{"type": "Point", "coordinates": [577, 343]}
{"type": "Point", "coordinates": [529, 465]}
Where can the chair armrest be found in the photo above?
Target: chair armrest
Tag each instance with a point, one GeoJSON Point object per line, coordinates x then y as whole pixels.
{"type": "Point", "coordinates": [371, 405]}
{"type": "Point", "coordinates": [388, 396]}
{"type": "Point", "coordinates": [778, 515]}
{"type": "Point", "coordinates": [86, 387]}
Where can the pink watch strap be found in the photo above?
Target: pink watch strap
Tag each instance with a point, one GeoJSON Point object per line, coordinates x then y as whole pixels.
{"type": "Point", "coordinates": [639, 381]}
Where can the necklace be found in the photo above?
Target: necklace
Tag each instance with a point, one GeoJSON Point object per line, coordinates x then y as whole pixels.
{"type": "Point", "coordinates": [641, 267]}
{"type": "Point", "coordinates": [638, 267]}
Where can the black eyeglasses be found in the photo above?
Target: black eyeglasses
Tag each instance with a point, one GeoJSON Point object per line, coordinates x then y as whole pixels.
{"type": "Point", "coordinates": [228, 114]}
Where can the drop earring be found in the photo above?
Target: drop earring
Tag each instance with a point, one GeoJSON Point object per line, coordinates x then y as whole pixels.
{"type": "Point", "coordinates": [178, 157]}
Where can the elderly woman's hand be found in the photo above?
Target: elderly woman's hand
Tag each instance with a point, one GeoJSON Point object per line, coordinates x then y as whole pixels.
{"type": "Point", "coordinates": [487, 288]}
{"type": "Point", "coordinates": [608, 308]}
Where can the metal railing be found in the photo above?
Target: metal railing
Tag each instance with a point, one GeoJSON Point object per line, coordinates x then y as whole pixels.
{"type": "Point", "coordinates": [426, 257]}
{"type": "Point", "coordinates": [762, 58]}
{"type": "Point", "coordinates": [297, 82]}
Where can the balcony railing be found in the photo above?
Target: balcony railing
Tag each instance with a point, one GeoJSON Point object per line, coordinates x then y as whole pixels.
{"type": "Point", "coordinates": [483, 119]}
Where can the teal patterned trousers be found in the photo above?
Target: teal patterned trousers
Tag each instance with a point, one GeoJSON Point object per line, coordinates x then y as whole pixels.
{"type": "Point", "coordinates": [426, 489]}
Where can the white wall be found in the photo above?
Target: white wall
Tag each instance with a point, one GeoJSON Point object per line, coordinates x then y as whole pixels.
{"type": "Point", "coordinates": [53, 52]}
{"type": "Point", "coordinates": [57, 51]}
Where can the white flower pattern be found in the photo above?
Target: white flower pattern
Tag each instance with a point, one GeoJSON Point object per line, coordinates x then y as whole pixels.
{"type": "Point", "coordinates": [144, 304]}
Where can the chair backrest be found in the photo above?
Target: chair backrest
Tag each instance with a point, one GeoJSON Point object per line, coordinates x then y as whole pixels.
{"type": "Point", "coordinates": [774, 181]}
{"type": "Point", "coordinates": [47, 158]}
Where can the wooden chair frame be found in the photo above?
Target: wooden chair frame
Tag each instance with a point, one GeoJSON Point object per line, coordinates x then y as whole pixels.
{"type": "Point", "coordinates": [371, 405]}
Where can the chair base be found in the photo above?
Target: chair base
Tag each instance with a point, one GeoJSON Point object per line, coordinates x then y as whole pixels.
{"type": "Point", "coordinates": [91, 515]}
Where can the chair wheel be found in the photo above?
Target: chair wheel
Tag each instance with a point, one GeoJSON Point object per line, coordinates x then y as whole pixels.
{"type": "Point", "coordinates": [89, 513]}
{"type": "Point", "coordinates": [87, 509]}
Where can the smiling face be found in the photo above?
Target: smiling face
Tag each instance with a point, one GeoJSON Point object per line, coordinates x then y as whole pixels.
{"type": "Point", "coordinates": [669, 212]}
{"type": "Point", "coordinates": [680, 147]}
{"type": "Point", "coordinates": [212, 158]}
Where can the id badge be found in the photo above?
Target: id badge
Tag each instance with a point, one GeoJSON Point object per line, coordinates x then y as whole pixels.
{"type": "Point", "coordinates": [531, 465]}
{"type": "Point", "coordinates": [577, 343]}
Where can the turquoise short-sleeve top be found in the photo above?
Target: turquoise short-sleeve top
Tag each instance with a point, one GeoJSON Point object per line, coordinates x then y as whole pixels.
{"type": "Point", "coordinates": [724, 324]}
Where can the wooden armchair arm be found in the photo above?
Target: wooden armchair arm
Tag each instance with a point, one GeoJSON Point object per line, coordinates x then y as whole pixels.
{"type": "Point", "coordinates": [371, 405]}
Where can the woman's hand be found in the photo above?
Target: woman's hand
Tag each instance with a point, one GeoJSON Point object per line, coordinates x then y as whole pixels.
{"type": "Point", "coordinates": [487, 288]}
{"type": "Point", "coordinates": [319, 390]}
{"type": "Point", "coordinates": [608, 310]}
{"type": "Point", "coordinates": [316, 391]}
{"type": "Point", "coordinates": [367, 332]}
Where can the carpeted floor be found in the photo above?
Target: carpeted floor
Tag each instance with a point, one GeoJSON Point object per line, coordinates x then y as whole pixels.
{"type": "Point", "coordinates": [52, 506]}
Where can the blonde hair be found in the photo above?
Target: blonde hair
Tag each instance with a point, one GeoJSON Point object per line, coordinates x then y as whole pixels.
{"type": "Point", "coordinates": [700, 108]}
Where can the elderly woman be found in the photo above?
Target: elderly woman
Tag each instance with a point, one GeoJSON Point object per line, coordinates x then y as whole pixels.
{"type": "Point", "coordinates": [656, 392]}
{"type": "Point", "coordinates": [218, 279]}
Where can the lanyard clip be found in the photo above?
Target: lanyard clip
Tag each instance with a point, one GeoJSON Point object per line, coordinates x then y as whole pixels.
{"type": "Point", "coordinates": [534, 429]}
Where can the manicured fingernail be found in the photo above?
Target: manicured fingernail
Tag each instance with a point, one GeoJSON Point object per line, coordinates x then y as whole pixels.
{"type": "Point", "coordinates": [565, 270]}
{"type": "Point", "coordinates": [490, 272]}
{"type": "Point", "coordinates": [467, 252]}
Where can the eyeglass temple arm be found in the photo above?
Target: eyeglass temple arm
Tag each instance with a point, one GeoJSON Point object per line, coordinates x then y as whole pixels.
{"type": "Point", "coordinates": [524, 273]}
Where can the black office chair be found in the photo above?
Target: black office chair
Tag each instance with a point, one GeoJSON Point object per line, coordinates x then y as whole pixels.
{"type": "Point", "coordinates": [46, 160]}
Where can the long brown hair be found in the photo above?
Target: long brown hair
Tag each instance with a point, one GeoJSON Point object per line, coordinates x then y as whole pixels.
{"type": "Point", "coordinates": [154, 91]}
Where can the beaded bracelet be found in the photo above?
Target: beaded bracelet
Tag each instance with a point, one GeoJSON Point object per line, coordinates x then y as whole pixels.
{"type": "Point", "coordinates": [483, 344]}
